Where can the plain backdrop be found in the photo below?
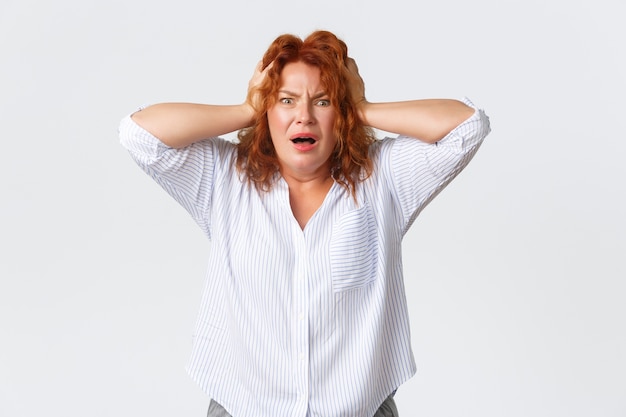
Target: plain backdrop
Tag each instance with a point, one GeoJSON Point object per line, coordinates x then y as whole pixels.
{"type": "Point", "coordinates": [515, 273]}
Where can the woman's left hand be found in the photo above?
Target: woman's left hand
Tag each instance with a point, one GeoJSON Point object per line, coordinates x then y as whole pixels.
{"type": "Point", "coordinates": [356, 86]}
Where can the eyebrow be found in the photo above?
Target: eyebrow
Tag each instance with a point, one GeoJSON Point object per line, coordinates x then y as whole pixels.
{"type": "Point", "coordinates": [291, 93]}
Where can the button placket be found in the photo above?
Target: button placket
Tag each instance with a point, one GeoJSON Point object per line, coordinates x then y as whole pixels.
{"type": "Point", "coordinates": [301, 322]}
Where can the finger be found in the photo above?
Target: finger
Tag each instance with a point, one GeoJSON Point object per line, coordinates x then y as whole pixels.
{"type": "Point", "coordinates": [351, 64]}
{"type": "Point", "coordinates": [270, 65]}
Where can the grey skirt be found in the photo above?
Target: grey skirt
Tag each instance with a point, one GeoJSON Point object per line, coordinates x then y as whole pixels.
{"type": "Point", "coordinates": [387, 409]}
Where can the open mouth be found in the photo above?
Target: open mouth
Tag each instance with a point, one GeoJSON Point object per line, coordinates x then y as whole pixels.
{"type": "Point", "coordinates": [303, 139]}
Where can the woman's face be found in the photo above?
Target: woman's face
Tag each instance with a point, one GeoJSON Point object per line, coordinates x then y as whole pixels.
{"type": "Point", "coordinates": [301, 123]}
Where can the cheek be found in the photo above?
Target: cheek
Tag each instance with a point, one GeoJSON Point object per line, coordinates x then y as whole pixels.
{"type": "Point", "coordinates": [329, 124]}
{"type": "Point", "coordinates": [276, 120]}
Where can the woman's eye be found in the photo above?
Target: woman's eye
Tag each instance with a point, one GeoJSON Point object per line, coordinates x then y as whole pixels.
{"type": "Point", "coordinates": [323, 103]}
{"type": "Point", "coordinates": [286, 100]}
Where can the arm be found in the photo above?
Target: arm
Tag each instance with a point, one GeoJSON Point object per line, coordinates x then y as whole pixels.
{"type": "Point", "coordinates": [180, 124]}
{"type": "Point", "coordinates": [428, 120]}
{"type": "Point", "coordinates": [415, 170]}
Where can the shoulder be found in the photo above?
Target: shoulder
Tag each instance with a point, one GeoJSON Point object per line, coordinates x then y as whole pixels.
{"type": "Point", "coordinates": [388, 146]}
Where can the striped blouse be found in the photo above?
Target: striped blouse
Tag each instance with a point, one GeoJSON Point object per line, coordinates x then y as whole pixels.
{"type": "Point", "coordinates": [309, 322]}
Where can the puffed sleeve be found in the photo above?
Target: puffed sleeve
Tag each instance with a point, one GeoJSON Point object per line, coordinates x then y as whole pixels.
{"type": "Point", "coordinates": [187, 174]}
{"type": "Point", "coordinates": [418, 171]}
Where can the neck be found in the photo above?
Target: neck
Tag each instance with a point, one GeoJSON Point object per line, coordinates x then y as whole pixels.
{"type": "Point", "coordinates": [320, 178]}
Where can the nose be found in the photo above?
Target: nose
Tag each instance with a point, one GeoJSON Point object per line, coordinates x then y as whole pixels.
{"type": "Point", "coordinates": [305, 114]}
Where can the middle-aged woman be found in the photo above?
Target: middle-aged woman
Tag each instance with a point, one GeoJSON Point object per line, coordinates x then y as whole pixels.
{"type": "Point", "coordinates": [304, 311]}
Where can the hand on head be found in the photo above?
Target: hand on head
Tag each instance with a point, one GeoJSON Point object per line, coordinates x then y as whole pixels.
{"type": "Point", "coordinates": [355, 84]}
{"type": "Point", "coordinates": [254, 98]}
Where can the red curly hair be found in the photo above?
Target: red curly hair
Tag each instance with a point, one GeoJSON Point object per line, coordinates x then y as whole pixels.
{"type": "Point", "coordinates": [350, 162]}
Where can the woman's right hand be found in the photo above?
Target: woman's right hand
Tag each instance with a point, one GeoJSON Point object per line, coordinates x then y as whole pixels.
{"type": "Point", "coordinates": [254, 98]}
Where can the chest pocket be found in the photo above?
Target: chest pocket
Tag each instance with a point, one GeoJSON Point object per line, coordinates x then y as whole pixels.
{"type": "Point", "coordinates": [353, 250]}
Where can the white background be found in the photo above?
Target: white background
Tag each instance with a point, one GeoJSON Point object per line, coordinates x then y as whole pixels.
{"type": "Point", "coordinates": [515, 273]}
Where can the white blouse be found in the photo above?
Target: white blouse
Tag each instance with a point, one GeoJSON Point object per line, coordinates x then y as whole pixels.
{"type": "Point", "coordinates": [309, 322]}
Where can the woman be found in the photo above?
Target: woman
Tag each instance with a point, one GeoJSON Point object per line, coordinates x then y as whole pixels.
{"type": "Point", "coordinates": [304, 311]}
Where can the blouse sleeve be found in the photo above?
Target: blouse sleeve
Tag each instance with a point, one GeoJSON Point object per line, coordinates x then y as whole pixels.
{"type": "Point", "coordinates": [417, 171]}
{"type": "Point", "coordinates": [187, 174]}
